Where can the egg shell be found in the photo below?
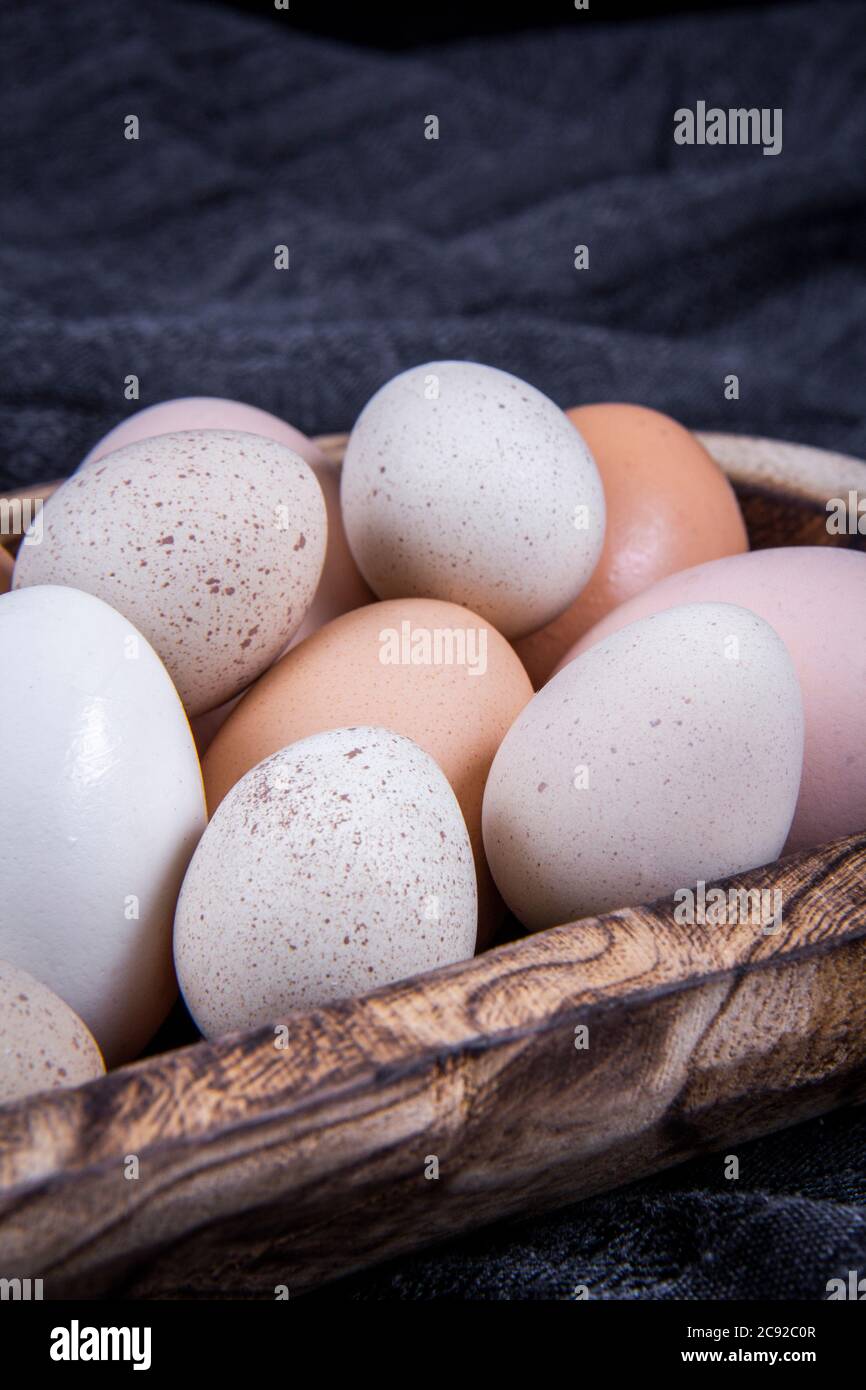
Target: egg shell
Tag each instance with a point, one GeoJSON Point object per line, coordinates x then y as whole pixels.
{"type": "Point", "coordinates": [7, 565]}
{"type": "Point", "coordinates": [102, 808]}
{"type": "Point", "coordinates": [203, 413]}
{"type": "Point", "coordinates": [339, 864]}
{"type": "Point", "coordinates": [815, 598]}
{"type": "Point", "coordinates": [338, 678]}
{"type": "Point", "coordinates": [462, 482]}
{"type": "Point", "coordinates": [43, 1043]}
{"type": "Point", "coordinates": [669, 506]}
{"type": "Point", "coordinates": [210, 541]}
{"type": "Point", "coordinates": [669, 753]}
{"type": "Point", "coordinates": [341, 587]}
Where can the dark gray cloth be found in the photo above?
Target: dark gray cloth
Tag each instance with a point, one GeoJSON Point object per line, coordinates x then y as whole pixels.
{"type": "Point", "coordinates": [794, 1219]}
{"type": "Point", "coordinates": [156, 258]}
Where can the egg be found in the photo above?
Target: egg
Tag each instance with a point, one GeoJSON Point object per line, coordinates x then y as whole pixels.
{"type": "Point", "coordinates": [7, 564]}
{"type": "Point", "coordinates": [43, 1043]}
{"type": "Point", "coordinates": [336, 865]}
{"type": "Point", "coordinates": [815, 598]}
{"type": "Point", "coordinates": [430, 670]}
{"type": "Point", "coordinates": [669, 506]}
{"type": "Point", "coordinates": [341, 587]}
{"type": "Point", "coordinates": [202, 413]}
{"type": "Point", "coordinates": [102, 808]}
{"type": "Point", "coordinates": [210, 541]}
{"type": "Point", "coordinates": [667, 754]}
{"type": "Point", "coordinates": [461, 482]}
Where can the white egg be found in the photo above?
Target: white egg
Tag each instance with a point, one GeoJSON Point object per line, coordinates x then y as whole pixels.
{"type": "Point", "coordinates": [210, 541]}
{"type": "Point", "coordinates": [669, 753]}
{"type": "Point", "coordinates": [338, 864]}
{"type": "Point", "coordinates": [102, 808]}
{"type": "Point", "coordinates": [43, 1044]}
{"type": "Point", "coordinates": [462, 482]}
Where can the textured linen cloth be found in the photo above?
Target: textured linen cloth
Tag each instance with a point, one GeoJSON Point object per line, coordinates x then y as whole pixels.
{"type": "Point", "coordinates": [155, 257]}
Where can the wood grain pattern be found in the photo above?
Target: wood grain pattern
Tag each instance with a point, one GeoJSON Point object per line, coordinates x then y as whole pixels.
{"type": "Point", "coordinates": [264, 1166]}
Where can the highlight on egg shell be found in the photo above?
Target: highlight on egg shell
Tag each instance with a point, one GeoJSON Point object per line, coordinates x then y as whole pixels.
{"type": "Point", "coordinates": [669, 506]}
{"type": "Point", "coordinates": [669, 753]}
{"type": "Point", "coordinates": [430, 670]}
{"type": "Point", "coordinates": [44, 1045]}
{"type": "Point", "coordinates": [210, 541]}
{"type": "Point", "coordinates": [462, 482]}
{"type": "Point", "coordinates": [338, 864]}
{"type": "Point", "coordinates": [101, 810]}
{"type": "Point", "coordinates": [815, 599]}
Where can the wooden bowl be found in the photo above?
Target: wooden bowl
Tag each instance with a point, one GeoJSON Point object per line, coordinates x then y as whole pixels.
{"type": "Point", "coordinates": [262, 1166]}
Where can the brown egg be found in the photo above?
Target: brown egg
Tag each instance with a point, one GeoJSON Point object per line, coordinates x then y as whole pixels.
{"type": "Point", "coordinates": [669, 506]}
{"type": "Point", "coordinates": [422, 667]}
{"type": "Point", "coordinates": [7, 564]}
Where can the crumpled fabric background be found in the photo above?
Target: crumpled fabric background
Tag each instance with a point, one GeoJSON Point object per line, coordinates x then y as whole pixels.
{"type": "Point", "coordinates": [156, 258]}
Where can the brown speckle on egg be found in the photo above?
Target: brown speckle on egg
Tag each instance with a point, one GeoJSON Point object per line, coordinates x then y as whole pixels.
{"type": "Point", "coordinates": [243, 501]}
{"type": "Point", "coordinates": [389, 853]}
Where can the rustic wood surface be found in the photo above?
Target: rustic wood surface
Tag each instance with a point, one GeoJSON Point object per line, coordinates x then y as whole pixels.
{"type": "Point", "coordinates": [261, 1165]}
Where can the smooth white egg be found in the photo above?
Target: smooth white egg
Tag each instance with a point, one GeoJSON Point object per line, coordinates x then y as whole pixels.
{"type": "Point", "coordinates": [102, 808]}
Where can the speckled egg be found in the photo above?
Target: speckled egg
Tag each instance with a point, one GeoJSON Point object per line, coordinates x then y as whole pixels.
{"type": "Point", "coordinates": [669, 505]}
{"type": "Point", "coordinates": [815, 598]}
{"type": "Point", "coordinates": [43, 1043]}
{"type": "Point", "coordinates": [427, 669]}
{"type": "Point", "coordinates": [339, 864]}
{"type": "Point", "coordinates": [669, 753]}
{"type": "Point", "coordinates": [462, 482]}
{"type": "Point", "coordinates": [341, 587]}
{"type": "Point", "coordinates": [210, 541]}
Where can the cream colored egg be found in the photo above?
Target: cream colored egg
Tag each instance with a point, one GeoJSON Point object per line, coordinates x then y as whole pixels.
{"type": "Point", "coordinates": [43, 1043]}
{"type": "Point", "coordinates": [462, 482]}
{"type": "Point", "coordinates": [341, 587]}
{"type": "Point", "coordinates": [814, 596]}
{"type": "Point", "coordinates": [669, 753]}
{"type": "Point", "coordinates": [338, 864]}
{"type": "Point", "coordinates": [101, 810]}
{"type": "Point", "coordinates": [210, 541]}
